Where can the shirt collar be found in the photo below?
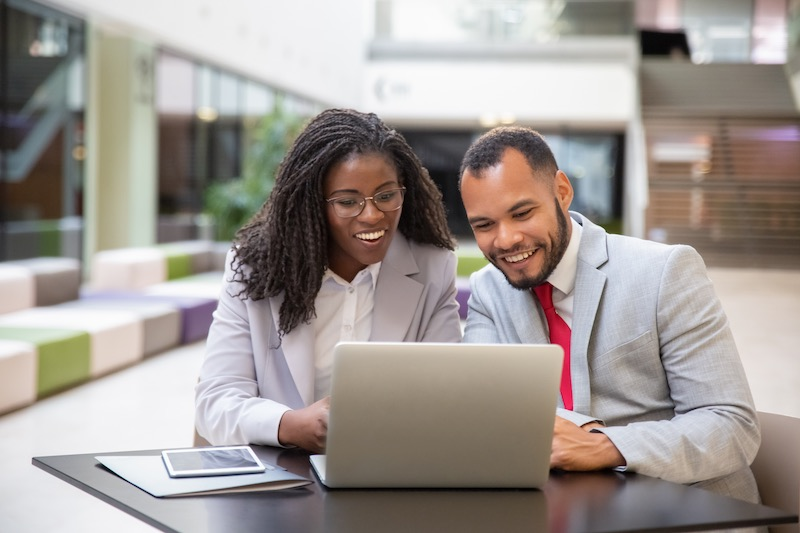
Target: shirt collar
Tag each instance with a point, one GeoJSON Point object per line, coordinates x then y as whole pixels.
{"type": "Point", "coordinates": [371, 271]}
{"type": "Point", "coordinates": [563, 277]}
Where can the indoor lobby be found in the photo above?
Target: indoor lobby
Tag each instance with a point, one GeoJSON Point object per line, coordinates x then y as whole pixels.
{"type": "Point", "coordinates": [151, 406]}
{"type": "Point", "coordinates": [677, 120]}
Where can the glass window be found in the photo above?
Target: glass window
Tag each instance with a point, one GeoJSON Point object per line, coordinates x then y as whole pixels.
{"type": "Point", "coordinates": [722, 31]}
{"type": "Point", "coordinates": [509, 21]}
{"type": "Point", "coordinates": [207, 119]}
{"type": "Point", "coordinates": [258, 99]}
{"type": "Point", "coordinates": [591, 161]}
{"type": "Point", "coordinates": [175, 78]}
{"type": "Point", "coordinates": [41, 178]}
{"type": "Point", "coordinates": [230, 95]}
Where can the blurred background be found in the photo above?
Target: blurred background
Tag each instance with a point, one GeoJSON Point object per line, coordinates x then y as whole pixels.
{"type": "Point", "coordinates": [132, 123]}
{"type": "Point", "coordinates": [141, 124]}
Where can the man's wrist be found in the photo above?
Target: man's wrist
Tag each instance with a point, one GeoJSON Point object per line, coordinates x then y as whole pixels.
{"type": "Point", "coordinates": [607, 451]}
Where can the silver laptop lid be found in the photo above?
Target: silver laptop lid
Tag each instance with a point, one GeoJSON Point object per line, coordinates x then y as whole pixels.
{"type": "Point", "coordinates": [441, 414]}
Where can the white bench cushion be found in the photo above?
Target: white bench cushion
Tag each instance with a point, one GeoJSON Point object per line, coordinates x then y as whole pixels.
{"type": "Point", "coordinates": [117, 337]}
{"type": "Point", "coordinates": [17, 374]}
{"type": "Point", "coordinates": [128, 268]}
{"type": "Point", "coordinates": [17, 287]}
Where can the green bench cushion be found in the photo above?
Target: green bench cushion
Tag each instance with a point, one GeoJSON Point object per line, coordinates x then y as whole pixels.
{"type": "Point", "coordinates": [469, 263]}
{"type": "Point", "coordinates": [63, 355]}
{"type": "Point", "coordinates": [179, 264]}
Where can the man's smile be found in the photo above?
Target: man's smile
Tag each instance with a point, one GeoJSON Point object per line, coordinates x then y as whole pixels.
{"type": "Point", "coordinates": [518, 257]}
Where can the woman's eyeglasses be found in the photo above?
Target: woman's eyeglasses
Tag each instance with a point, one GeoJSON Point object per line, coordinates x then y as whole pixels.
{"type": "Point", "coordinates": [352, 206]}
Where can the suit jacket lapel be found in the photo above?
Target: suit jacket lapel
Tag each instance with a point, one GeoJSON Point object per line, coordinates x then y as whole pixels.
{"type": "Point", "coordinates": [589, 285]}
{"type": "Point", "coordinates": [295, 348]}
{"type": "Point", "coordinates": [396, 294]}
{"type": "Point", "coordinates": [530, 326]}
{"type": "Point", "coordinates": [396, 297]}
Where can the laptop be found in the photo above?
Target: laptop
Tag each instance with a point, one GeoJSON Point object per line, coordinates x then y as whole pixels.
{"type": "Point", "coordinates": [440, 415]}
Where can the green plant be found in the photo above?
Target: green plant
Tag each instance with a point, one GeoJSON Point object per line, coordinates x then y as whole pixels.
{"type": "Point", "coordinates": [231, 203]}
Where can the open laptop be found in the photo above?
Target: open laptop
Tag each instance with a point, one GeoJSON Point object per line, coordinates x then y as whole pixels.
{"type": "Point", "coordinates": [440, 415]}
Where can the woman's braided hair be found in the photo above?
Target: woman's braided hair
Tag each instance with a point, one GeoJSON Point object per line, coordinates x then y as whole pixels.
{"type": "Point", "coordinates": [285, 244]}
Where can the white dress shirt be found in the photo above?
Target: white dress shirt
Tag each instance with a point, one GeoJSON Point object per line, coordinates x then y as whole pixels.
{"type": "Point", "coordinates": [344, 313]}
{"type": "Point", "coordinates": [563, 277]}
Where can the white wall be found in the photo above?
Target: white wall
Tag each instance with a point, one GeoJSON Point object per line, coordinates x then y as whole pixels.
{"type": "Point", "coordinates": [319, 49]}
{"type": "Point", "coordinates": [315, 48]}
{"type": "Point", "coordinates": [539, 93]}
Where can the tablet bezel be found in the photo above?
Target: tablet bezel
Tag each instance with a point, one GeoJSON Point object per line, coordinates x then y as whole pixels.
{"type": "Point", "coordinates": [257, 468]}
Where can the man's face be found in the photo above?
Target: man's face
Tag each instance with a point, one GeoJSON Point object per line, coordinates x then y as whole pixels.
{"type": "Point", "coordinates": [519, 219]}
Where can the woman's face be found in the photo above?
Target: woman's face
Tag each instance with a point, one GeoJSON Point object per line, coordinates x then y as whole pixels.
{"type": "Point", "coordinates": [358, 241]}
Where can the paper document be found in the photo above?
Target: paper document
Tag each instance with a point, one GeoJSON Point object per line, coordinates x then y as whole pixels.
{"type": "Point", "coordinates": [149, 474]}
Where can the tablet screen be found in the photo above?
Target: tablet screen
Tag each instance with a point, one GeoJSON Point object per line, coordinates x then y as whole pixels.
{"type": "Point", "coordinates": [215, 461]}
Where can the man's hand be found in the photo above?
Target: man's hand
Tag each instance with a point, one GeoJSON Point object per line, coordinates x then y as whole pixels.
{"type": "Point", "coordinates": [306, 428]}
{"type": "Point", "coordinates": [576, 449]}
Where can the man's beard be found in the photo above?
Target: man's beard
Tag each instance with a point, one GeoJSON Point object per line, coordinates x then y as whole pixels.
{"type": "Point", "coordinates": [551, 257]}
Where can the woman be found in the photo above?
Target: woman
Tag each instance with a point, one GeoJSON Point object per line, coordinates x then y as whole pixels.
{"type": "Point", "coordinates": [352, 244]}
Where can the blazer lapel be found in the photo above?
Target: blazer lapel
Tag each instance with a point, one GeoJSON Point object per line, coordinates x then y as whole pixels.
{"type": "Point", "coordinates": [530, 326]}
{"type": "Point", "coordinates": [295, 347]}
{"type": "Point", "coordinates": [589, 285]}
{"type": "Point", "coordinates": [396, 294]}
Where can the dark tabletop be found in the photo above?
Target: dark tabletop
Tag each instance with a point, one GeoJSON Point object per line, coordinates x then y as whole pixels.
{"type": "Point", "coordinates": [570, 502]}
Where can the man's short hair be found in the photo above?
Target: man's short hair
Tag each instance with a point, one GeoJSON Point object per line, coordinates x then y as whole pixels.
{"type": "Point", "coordinates": [488, 149]}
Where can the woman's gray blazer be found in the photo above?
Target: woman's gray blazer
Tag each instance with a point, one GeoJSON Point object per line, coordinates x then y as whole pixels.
{"type": "Point", "coordinates": [248, 379]}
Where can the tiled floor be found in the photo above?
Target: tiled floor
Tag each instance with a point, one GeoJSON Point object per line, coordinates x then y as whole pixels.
{"type": "Point", "coordinates": [149, 406]}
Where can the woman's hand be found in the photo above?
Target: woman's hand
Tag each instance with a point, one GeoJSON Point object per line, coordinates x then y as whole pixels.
{"type": "Point", "coordinates": [306, 428]}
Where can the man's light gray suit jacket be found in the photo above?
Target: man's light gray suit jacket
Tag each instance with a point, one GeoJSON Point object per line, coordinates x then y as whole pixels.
{"type": "Point", "coordinates": [652, 357]}
{"type": "Point", "coordinates": [249, 379]}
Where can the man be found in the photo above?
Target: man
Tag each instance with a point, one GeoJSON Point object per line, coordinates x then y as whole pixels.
{"type": "Point", "coordinates": [654, 383]}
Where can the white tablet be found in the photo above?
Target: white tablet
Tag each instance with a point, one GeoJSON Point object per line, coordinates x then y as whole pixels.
{"type": "Point", "coordinates": [213, 461]}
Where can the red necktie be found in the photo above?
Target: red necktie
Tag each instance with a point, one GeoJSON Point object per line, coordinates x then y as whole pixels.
{"type": "Point", "coordinates": [559, 334]}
